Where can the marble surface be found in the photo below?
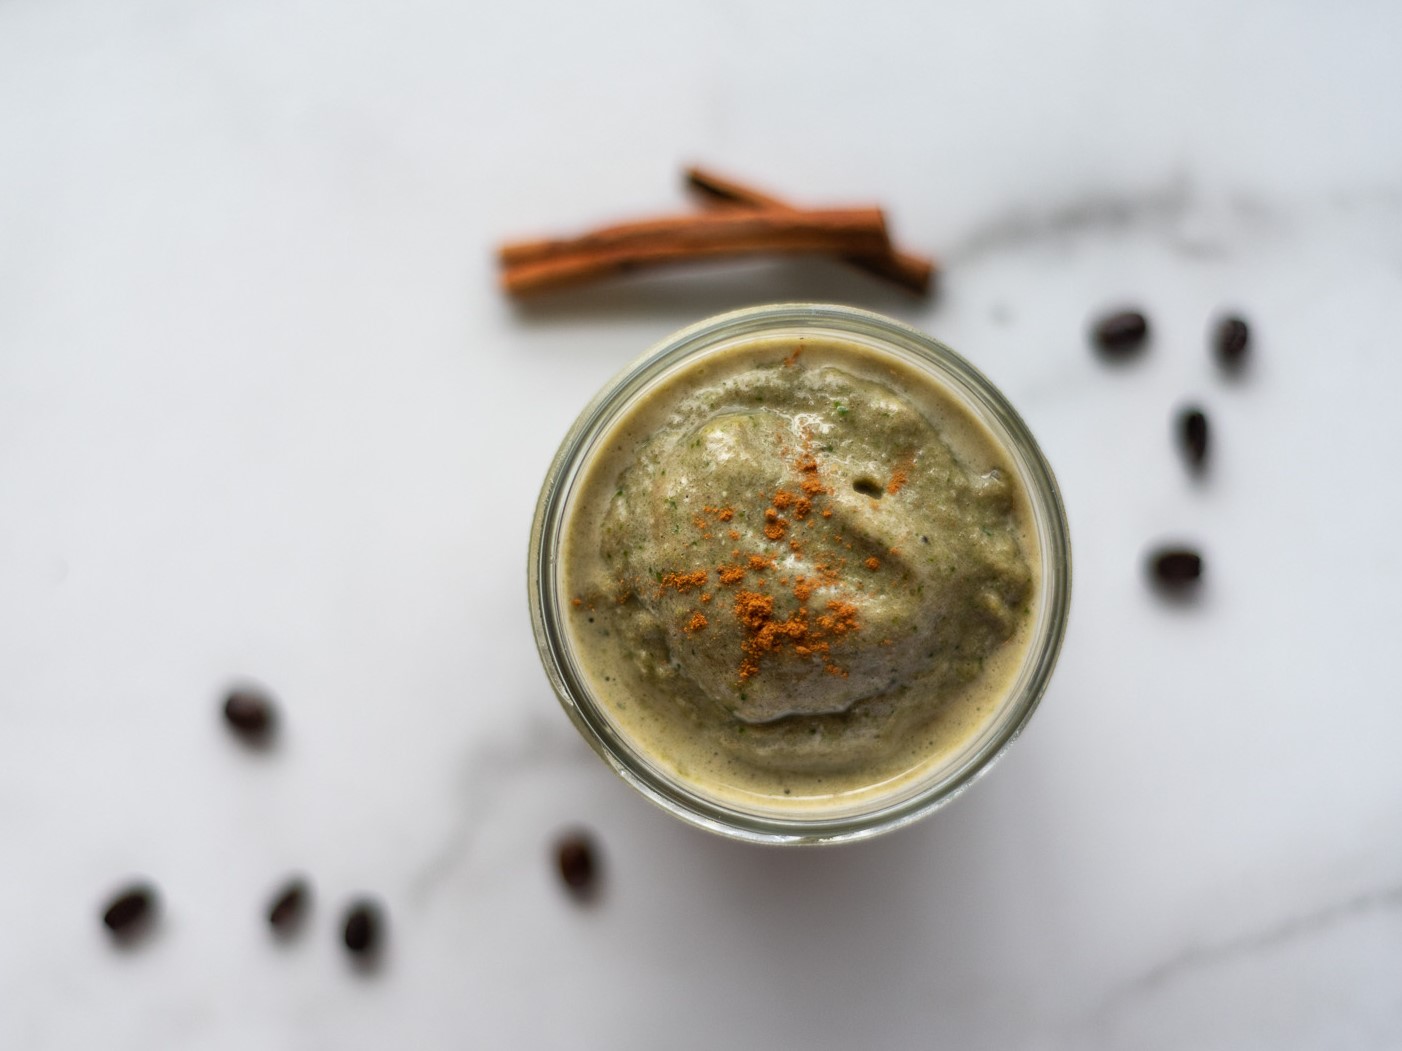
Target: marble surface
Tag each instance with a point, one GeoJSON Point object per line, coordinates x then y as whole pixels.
{"type": "Point", "coordinates": [264, 417]}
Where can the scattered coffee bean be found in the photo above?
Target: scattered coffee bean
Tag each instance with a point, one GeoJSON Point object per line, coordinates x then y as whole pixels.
{"type": "Point", "coordinates": [131, 911]}
{"type": "Point", "coordinates": [250, 714]}
{"type": "Point", "coordinates": [1230, 343]}
{"type": "Point", "coordinates": [289, 906]}
{"type": "Point", "coordinates": [575, 858]}
{"type": "Point", "coordinates": [1119, 335]}
{"type": "Point", "coordinates": [362, 929]}
{"type": "Point", "coordinates": [1176, 568]}
{"type": "Point", "coordinates": [1192, 434]}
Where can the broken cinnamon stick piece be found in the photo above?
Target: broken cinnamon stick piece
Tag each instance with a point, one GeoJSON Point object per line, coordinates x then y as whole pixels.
{"type": "Point", "coordinates": [906, 269]}
{"type": "Point", "coordinates": [535, 266]}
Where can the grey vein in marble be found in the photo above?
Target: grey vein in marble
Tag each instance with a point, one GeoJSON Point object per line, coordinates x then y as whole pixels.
{"type": "Point", "coordinates": [1100, 211]}
{"type": "Point", "coordinates": [1196, 958]}
{"type": "Point", "coordinates": [1186, 217]}
{"type": "Point", "coordinates": [487, 768]}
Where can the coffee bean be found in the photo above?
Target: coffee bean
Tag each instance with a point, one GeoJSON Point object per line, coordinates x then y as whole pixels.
{"type": "Point", "coordinates": [131, 911]}
{"type": "Point", "coordinates": [1192, 435]}
{"type": "Point", "coordinates": [1176, 568]}
{"type": "Point", "coordinates": [289, 906]}
{"type": "Point", "coordinates": [250, 714]}
{"type": "Point", "coordinates": [1119, 335]}
{"type": "Point", "coordinates": [1230, 343]}
{"type": "Point", "coordinates": [362, 927]}
{"type": "Point", "coordinates": [575, 859]}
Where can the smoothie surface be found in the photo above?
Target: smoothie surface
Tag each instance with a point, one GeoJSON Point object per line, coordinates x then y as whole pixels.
{"type": "Point", "coordinates": [799, 569]}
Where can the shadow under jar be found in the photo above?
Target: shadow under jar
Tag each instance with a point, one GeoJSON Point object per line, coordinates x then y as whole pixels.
{"type": "Point", "coordinates": [799, 574]}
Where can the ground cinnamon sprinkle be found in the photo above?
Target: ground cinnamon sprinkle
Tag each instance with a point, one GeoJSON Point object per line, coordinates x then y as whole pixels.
{"type": "Point", "coordinates": [765, 635]}
{"type": "Point", "coordinates": [731, 575]}
{"type": "Point", "coordinates": [842, 618]}
{"type": "Point", "coordinates": [753, 610]}
{"type": "Point", "coordinates": [684, 581]}
{"type": "Point", "coordinates": [901, 475]}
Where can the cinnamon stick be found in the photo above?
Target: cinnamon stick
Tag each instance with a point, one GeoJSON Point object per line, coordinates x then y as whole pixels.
{"type": "Point", "coordinates": [535, 266]}
{"type": "Point", "coordinates": [906, 269]}
{"type": "Point", "coordinates": [864, 224]}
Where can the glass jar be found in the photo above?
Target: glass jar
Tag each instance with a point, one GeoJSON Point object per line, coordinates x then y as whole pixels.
{"type": "Point", "coordinates": [702, 802]}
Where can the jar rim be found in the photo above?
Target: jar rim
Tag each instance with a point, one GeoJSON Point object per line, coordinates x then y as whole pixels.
{"type": "Point", "coordinates": [552, 636]}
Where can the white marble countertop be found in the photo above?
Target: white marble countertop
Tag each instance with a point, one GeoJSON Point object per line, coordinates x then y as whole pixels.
{"type": "Point", "coordinates": [264, 415]}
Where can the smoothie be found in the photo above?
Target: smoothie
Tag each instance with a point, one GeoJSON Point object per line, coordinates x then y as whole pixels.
{"type": "Point", "coordinates": [800, 574]}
